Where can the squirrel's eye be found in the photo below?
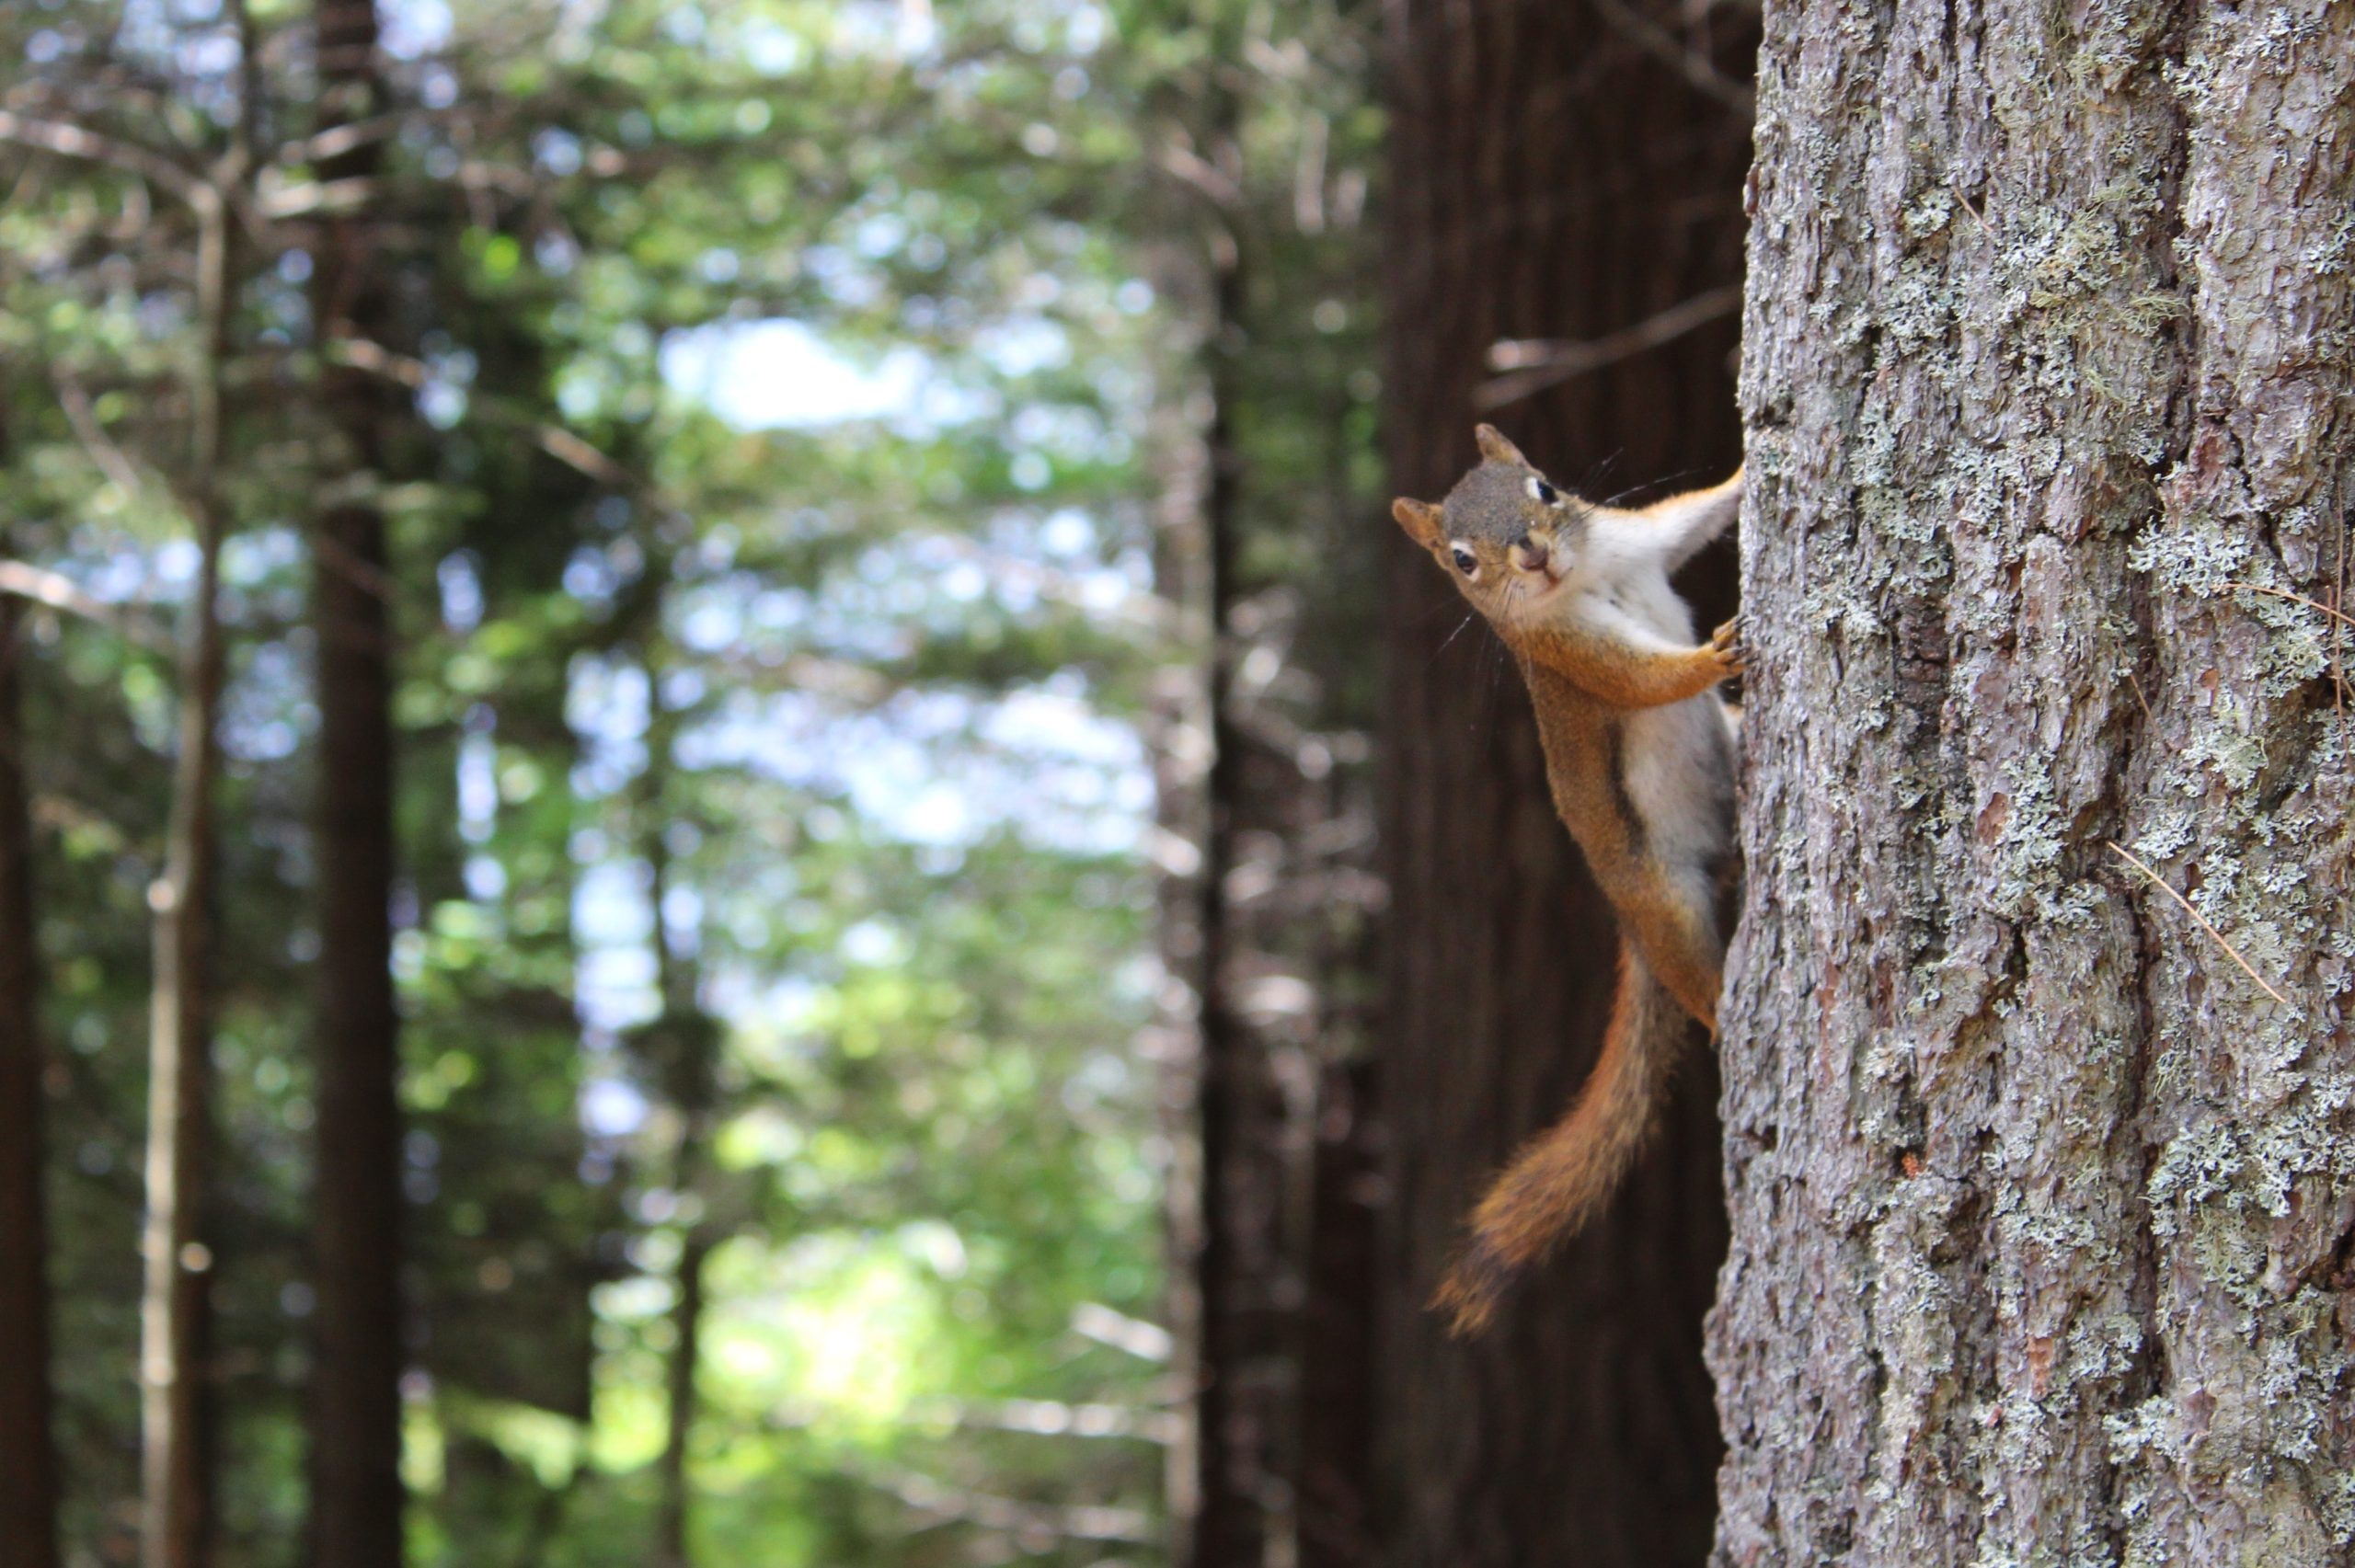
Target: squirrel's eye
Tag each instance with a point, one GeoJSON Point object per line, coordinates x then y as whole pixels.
{"type": "Point", "coordinates": [1466, 561]}
{"type": "Point", "coordinates": [1543, 493]}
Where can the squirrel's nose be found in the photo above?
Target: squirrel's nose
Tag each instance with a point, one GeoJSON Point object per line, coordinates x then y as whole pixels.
{"type": "Point", "coordinates": [1529, 553]}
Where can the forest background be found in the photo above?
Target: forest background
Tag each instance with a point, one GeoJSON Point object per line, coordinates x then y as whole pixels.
{"type": "Point", "coordinates": [823, 567]}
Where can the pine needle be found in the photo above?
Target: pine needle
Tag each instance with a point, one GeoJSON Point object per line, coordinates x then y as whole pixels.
{"type": "Point", "coordinates": [2230, 951]}
{"type": "Point", "coordinates": [2299, 598]}
{"type": "Point", "coordinates": [2338, 667]}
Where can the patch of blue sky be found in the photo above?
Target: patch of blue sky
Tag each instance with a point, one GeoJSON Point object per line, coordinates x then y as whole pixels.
{"type": "Point", "coordinates": [780, 374]}
{"type": "Point", "coordinates": [415, 28]}
{"type": "Point", "coordinates": [946, 769]}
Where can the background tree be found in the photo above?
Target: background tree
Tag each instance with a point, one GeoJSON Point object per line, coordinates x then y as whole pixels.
{"type": "Point", "coordinates": [28, 1487]}
{"type": "Point", "coordinates": [356, 1432]}
{"type": "Point", "coordinates": [495, 313]}
{"type": "Point", "coordinates": [2038, 1055]}
{"type": "Point", "coordinates": [1564, 234]}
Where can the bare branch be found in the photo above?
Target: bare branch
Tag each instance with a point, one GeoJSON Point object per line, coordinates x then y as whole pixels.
{"type": "Point", "coordinates": [336, 140]}
{"type": "Point", "coordinates": [83, 416]}
{"type": "Point", "coordinates": [276, 198]}
{"type": "Point", "coordinates": [71, 140]}
{"type": "Point", "coordinates": [1083, 1522]}
{"type": "Point", "coordinates": [1689, 64]}
{"type": "Point", "coordinates": [557, 441]}
{"type": "Point", "coordinates": [59, 591]}
{"type": "Point", "coordinates": [1146, 1341]}
{"type": "Point", "coordinates": [1192, 169]}
{"type": "Point", "coordinates": [1536, 363]}
{"type": "Point", "coordinates": [1054, 1418]}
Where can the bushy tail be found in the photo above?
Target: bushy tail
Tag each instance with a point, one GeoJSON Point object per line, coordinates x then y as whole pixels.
{"type": "Point", "coordinates": [1564, 1175]}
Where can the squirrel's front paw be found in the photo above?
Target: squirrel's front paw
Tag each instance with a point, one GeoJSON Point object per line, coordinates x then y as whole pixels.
{"type": "Point", "coordinates": [1726, 643]}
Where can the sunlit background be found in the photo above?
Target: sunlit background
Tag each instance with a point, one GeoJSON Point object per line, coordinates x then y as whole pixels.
{"type": "Point", "coordinates": [801, 421]}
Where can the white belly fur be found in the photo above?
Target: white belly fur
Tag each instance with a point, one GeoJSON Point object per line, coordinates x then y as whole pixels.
{"type": "Point", "coordinates": [1678, 759]}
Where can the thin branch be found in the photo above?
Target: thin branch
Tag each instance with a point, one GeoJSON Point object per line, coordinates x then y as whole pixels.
{"type": "Point", "coordinates": [1191, 169]}
{"type": "Point", "coordinates": [276, 198]}
{"type": "Point", "coordinates": [1536, 363]}
{"type": "Point", "coordinates": [336, 140]}
{"type": "Point", "coordinates": [2230, 951]}
{"type": "Point", "coordinates": [1083, 1522]}
{"type": "Point", "coordinates": [1146, 1341]}
{"type": "Point", "coordinates": [1056, 1418]}
{"type": "Point", "coordinates": [1689, 64]}
{"type": "Point", "coordinates": [71, 140]}
{"type": "Point", "coordinates": [61, 592]}
{"type": "Point", "coordinates": [557, 441]}
{"type": "Point", "coordinates": [83, 416]}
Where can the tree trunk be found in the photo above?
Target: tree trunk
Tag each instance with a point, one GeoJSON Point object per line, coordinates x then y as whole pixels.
{"type": "Point", "coordinates": [1241, 1386]}
{"type": "Point", "coordinates": [1552, 179]}
{"type": "Point", "coordinates": [28, 1453]}
{"type": "Point", "coordinates": [176, 1306]}
{"type": "Point", "coordinates": [2041, 1203]}
{"type": "Point", "coordinates": [357, 1498]}
{"type": "Point", "coordinates": [686, 1352]}
{"type": "Point", "coordinates": [682, 1043]}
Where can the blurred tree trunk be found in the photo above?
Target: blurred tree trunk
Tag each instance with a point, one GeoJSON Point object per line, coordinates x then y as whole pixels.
{"type": "Point", "coordinates": [1240, 1112]}
{"type": "Point", "coordinates": [2043, 1207]}
{"type": "Point", "coordinates": [27, 1452]}
{"type": "Point", "coordinates": [357, 1498]}
{"type": "Point", "coordinates": [176, 1306]}
{"type": "Point", "coordinates": [1556, 175]}
{"type": "Point", "coordinates": [682, 1047]}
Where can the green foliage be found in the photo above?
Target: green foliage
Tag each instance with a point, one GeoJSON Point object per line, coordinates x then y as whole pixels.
{"type": "Point", "coordinates": [861, 696]}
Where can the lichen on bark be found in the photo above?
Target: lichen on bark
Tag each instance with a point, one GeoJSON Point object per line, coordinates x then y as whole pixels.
{"type": "Point", "coordinates": [2042, 1207]}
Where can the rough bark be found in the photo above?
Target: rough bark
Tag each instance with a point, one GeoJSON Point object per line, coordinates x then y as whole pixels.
{"type": "Point", "coordinates": [357, 1498]}
{"type": "Point", "coordinates": [1551, 179]}
{"type": "Point", "coordinates": [2041, 1204]}
{"type": "Point", "coordinates": [28, 1453]}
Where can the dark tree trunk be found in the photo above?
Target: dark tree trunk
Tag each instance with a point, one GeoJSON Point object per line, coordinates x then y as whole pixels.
{"type": "Point", "coordinates": [1551, 179]}
{"type": "Point", "coordinates": [686, 1352]}
{"type": "Point", "coordinates": [357, 1499]}
{"type": "Point", "coordinates": [28, 1453]}
{"type": "Point", "coordinates": [683, 1045]}
{"type": "Point", "coordinates": [1237, 1406]}
{"type": "Point", "coordinates": [1335, 1506]}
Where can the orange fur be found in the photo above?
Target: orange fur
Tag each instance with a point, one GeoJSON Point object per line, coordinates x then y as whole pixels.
{"type": "Point", "coordinates": [1581, 595]}
{"type": "Point", "coordinates": [1562, 1177]}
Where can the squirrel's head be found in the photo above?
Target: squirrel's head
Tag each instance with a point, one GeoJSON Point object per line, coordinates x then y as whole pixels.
{"type": "Point", "coordinates": [1505, 534]}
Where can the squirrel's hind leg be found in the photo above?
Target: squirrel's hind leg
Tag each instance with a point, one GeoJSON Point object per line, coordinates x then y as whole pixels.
{"type": "Point", "coordinates": [1675, 928]}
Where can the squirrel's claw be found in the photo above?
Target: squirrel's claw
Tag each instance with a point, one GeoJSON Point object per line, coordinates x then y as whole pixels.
{"type": "Point", "coordinates": [1726, 643]}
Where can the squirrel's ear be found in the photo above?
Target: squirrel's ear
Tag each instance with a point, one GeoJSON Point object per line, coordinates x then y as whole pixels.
{"type": "Point", "coordinates": [1495, 447]}
{"type": "Point", "coordinates": [1420, 519]}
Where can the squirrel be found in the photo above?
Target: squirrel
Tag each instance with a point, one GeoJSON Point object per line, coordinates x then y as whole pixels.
{"type": "Point", "coordinates": [1640, 759]}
